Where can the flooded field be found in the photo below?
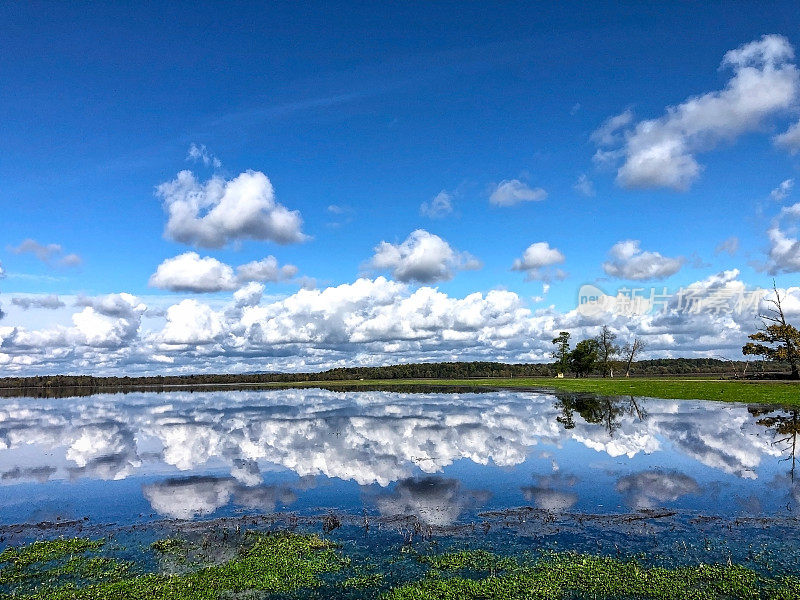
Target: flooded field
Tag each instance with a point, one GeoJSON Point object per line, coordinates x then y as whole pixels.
{"type": "Point", "coordinates": [516, 474]}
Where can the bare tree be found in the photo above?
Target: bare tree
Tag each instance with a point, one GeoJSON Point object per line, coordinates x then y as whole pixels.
{"type": "Point", "coordinates": [607, 350]}
{"type": "Point", "coordinates": [629, 352]}
{"type": "Point", "coordinates": [778, 339]}
{"type": "Point", "coordinates": [734, 365]}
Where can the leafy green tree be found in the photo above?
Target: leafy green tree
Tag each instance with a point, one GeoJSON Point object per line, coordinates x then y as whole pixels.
{"type": "Point", "coordinates": [776, 339]}
{"type": "Point", "coordinates": [561, 353]}
{"type": "Point", "coordinates": [584, 357]}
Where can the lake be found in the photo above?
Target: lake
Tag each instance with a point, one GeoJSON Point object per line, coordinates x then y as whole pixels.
{"type": "Point", "coordinates": [693, 479]}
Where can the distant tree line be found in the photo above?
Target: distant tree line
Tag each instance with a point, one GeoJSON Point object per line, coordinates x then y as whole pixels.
{"type": "Point", "coordinates": [587, 361]}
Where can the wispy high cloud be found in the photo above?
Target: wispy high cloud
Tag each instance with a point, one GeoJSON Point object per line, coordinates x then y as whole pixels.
{"type": "Point", "coordinates": [729, 245]}
{"type": "Point", "coordinates": [662, 152]}
{"type": "Point", "coordinates": [50, 254]}
{"type": "Point", "coordinates": [440, 206]}
{"type": "Point", "coordinates": [611, 131]}
{"type": "Point", "coordinates": [584, 186]}
{"type": "Point", "coordinates": [51, 302]}
{"type": "Point", "coordinates": [783, 190]}
{"type": "Point", "coordinates": [513, 191]}
{"type": "Point", "coordinates": [200, 153]}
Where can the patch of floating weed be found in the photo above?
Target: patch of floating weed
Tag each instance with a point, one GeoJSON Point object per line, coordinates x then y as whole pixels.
{"type": "Point", "coordinates": [169, 546]}
{"type": "Point", "coordinates": [360, 582]}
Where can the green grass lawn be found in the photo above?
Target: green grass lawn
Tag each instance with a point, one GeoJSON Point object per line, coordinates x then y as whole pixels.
{"type": "Point", "coordinates": [753, 392]}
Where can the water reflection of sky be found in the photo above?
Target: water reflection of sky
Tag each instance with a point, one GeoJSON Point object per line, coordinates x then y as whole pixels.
{"type": "Point", "coordinates": [439, 457]}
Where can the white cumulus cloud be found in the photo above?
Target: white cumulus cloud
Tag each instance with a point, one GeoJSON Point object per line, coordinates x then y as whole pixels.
{"type": "Point", "coordinates": [266, 269]}
{"type": "Point", "coordinates": [535, 260]}
{"type": "Point", "coordinates": [790, 139]}
{"type": "Point", "coordinates": [629, 261]}
{"type": "Point", "coordinates": [422, 257]}
{"type": "Point", "coordinates": [217, 212]}
{"type": "Point", "coordinates": [189, 272]}
{"type": "Point", "coordinates": [784, 247]}
{"type": "Point", "coordinates": [190, 322]}
{"type": "Point", "coordinates": [366, 322]}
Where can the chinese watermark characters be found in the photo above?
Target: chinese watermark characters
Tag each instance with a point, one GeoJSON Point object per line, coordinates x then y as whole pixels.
{"type": "Point", "coordinates": [641, 301]}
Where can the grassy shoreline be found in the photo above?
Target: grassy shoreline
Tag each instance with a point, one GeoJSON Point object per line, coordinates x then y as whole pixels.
{"type": "Point", "coordinates": [756, 392]}
{"type": "Point", "coordinates": [785, 393]}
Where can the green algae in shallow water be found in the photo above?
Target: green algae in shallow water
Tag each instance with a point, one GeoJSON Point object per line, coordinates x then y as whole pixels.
{"type": "Point", "coordinates": [45, 551]}
{"type": "Point", "coordinates": [267, 562]}
{"type": "Point", "coordinates": [280, 563]}
{"type": "Point", "coordinates": [44, 566]}
{"type": "Point", "coordinates": [477, 561]}
{"type": "Point", "coordinates": [169, 546]}
{"type": "Point", "coordinates": [362, 582]}
{"type": "Point", "coordinates": [566, 576]}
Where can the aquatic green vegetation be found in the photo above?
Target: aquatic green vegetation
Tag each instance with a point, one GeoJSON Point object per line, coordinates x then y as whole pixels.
{"type": "Point", "coordinates": [48, 565]}
{"type": "Point", "coordinates": [563, 576]}
{"type": "Point", "coordinates": [265, 564]}
{"type": "Point", "coordinates": [45, 551]}
{"type": "Point", "coordinates": [361, 582]}
{"type": "Point", "coordinates": [469, 560]}
{"type": "Point", "coordinates": [169, 545]}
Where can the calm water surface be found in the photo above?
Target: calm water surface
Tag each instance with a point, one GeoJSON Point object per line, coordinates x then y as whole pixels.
{"type": "Point", "coordinates": [444, 459]}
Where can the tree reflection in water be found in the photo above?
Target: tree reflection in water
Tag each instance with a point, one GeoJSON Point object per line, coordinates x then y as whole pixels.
{"type": "Point", "coordinates": [785, 426]}
{"type": "Point", "coordinates": [603, 410]}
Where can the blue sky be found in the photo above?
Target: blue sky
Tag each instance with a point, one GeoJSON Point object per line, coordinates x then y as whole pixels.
{"type": "Point", "coordinates": [360, 113]}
